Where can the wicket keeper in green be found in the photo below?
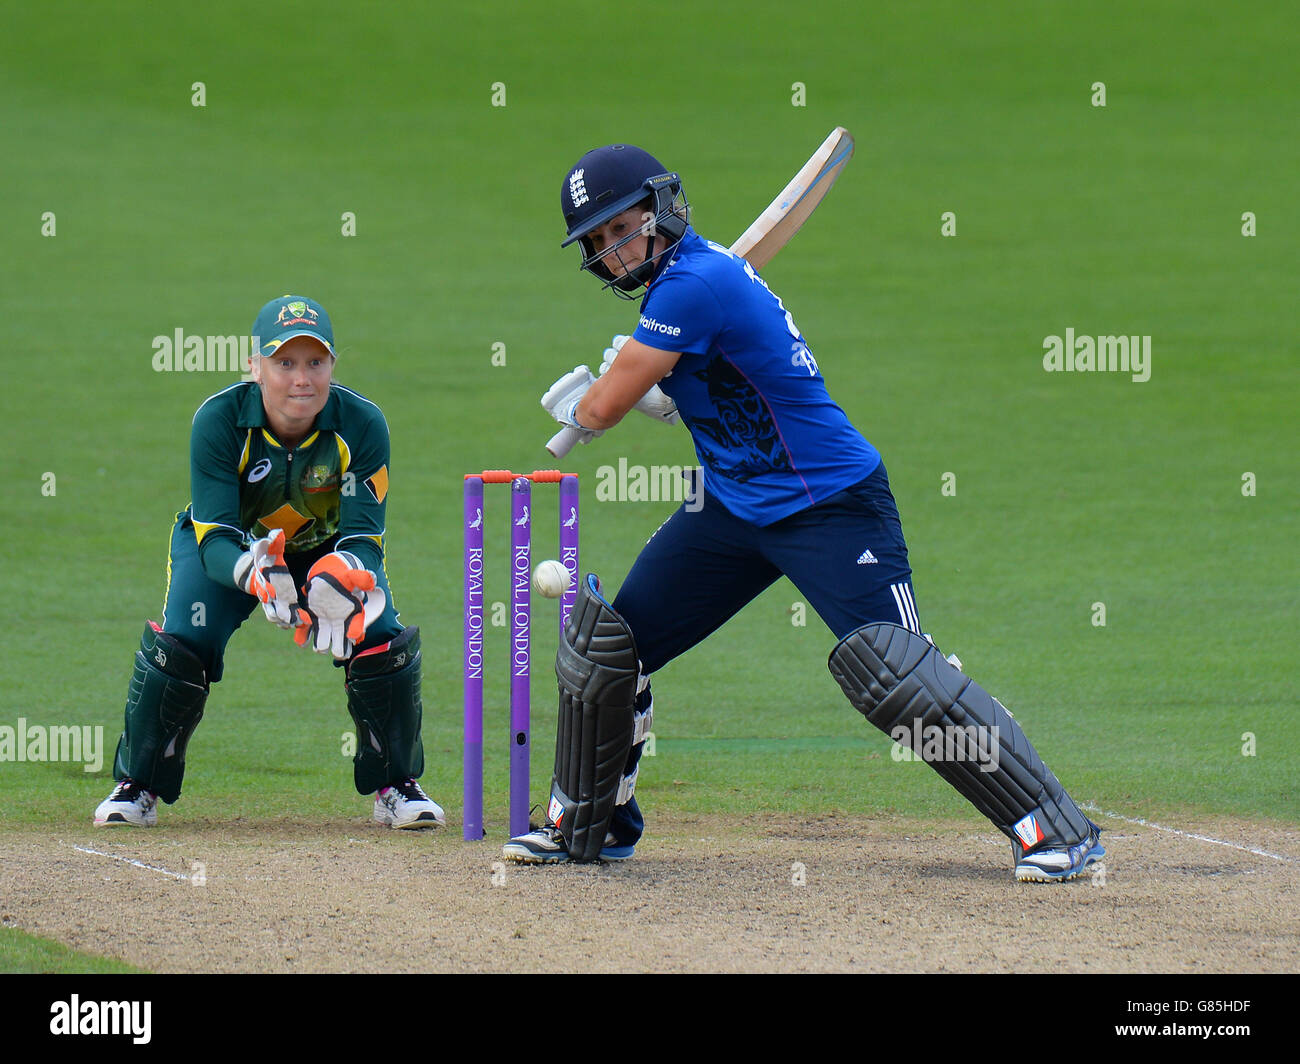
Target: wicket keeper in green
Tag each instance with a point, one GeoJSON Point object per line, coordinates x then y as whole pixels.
{"type": "Point", "coordinates": [289, 483]}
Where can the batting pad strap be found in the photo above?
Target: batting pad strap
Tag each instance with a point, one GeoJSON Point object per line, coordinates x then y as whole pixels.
{"type": "Point", "coordinates": [627, 786]}
{"type": "Point", "coordinates": [642, 721]}
{"type": "Point", "coordinates": [596, 667]}
{"type": "Point", "coordinates": [904, 686]}
{"type": "Point", "coordinates": [383, 688]}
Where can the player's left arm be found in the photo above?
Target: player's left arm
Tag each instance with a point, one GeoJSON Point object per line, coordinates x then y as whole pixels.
{"type": "Point", "coordinates": [343, 594]}
{"type": "Point", "coordinates": [637, 369]}
{"type": "Point", "coordinates": [363, 497]}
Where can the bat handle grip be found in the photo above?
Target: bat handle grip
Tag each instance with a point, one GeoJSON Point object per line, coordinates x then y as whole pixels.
{"type": "Point", "coordinates": [563, 441]}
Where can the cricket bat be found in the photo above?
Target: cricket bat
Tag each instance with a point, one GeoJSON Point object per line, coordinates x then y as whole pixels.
{"type": "Point", "coordinates": [772, 229]}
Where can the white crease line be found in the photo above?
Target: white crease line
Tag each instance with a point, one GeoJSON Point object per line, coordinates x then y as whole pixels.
{"type": "Point", "coordinates": [130, 861]}
{"type": "Point", "coordinates": [1190, 835]}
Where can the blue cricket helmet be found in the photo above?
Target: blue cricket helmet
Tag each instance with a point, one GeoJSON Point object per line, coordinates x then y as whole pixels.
{"type": "Point", "coordinates": [608, 181]}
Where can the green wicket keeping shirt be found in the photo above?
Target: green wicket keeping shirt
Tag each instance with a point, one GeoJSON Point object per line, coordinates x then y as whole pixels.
{"type": "Point", "coordinates": [244, 483]}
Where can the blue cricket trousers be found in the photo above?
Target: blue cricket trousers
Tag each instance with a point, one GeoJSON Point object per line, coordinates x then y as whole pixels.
{"type": "Point", "coordinates": [846, 556]}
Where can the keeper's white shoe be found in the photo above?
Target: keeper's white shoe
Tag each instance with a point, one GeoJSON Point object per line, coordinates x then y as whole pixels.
{"type": "Point", "coordinates": [128, 804]}
{"type": "Point", "coordinates": [405, 805]}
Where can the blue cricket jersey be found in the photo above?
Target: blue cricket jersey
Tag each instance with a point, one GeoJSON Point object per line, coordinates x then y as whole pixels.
{"type": "Point", "coordinates": [768, 435]}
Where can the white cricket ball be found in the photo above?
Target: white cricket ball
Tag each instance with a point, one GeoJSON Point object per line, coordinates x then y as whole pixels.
{"type": "Point", "coordinates": [551, 579]}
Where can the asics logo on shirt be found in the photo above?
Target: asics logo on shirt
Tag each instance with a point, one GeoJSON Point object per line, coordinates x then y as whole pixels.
{"type": "Point", "coordinates": [259, 471]}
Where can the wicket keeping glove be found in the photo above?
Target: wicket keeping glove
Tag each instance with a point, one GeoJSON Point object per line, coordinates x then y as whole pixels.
{"type": "Point", "coordinates": [562, 398]}
{"type": "Point", "coordinates": [654, 404]}
{"type": "Point", "coordinates": [341, 602]}
{"type": "Point", "coordinates": [261, 571]}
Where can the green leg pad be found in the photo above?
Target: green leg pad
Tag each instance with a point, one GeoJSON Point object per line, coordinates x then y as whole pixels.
{"type": "Point", "coordinates": [384, 701]}
{"type": "Point", "coordinates": [164, 705]}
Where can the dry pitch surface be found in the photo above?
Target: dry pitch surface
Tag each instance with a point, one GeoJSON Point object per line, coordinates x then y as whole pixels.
{"type": "Point", "coordinates": [702, 895]}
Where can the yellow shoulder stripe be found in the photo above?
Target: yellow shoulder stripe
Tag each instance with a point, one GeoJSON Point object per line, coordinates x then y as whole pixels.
{"type": "Point", "coordinates": [243, 458]}
{"type": "Point", "coordinates": [202, 528]}
{"type": "Point", "coordinates": [345, 454]}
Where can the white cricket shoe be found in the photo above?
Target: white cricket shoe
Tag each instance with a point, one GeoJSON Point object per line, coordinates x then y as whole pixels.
{"type": "Point", "coordinates": [405, 805]}
{"type": "Point", "coordinates": [1061, 863]}
{"type": "Point", "coordinates": [546, 845]}
{"type": "Point", "coordinates": [128, 804]}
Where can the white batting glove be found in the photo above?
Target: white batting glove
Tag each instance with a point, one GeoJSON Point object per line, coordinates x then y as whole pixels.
{"type": "Point", "coordinates": [562, 398]}
{"type": "Point", "coordinates": [261, 571]}
{"type": "Point", "coordinates": [654, 404]}
{"type": "Point", "coordinates": [611, 352]}
{"type": "Point", "coordinates": [341, 602]}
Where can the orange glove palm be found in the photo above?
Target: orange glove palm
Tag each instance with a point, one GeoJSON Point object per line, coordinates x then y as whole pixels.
{"type": "Point", "coordinates": [261, 571]}
{"type": "Point", "coordinates": [341, 601]}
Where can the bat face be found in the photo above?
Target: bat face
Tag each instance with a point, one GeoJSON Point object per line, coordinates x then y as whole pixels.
{"type": "Point", "coordinates": [786, 214]}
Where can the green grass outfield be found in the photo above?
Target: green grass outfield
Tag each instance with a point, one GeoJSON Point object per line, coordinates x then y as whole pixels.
{"type": "Point", "coordinates": [1072, 489]}
{"type": "Point", "coordinates": [21, 952]}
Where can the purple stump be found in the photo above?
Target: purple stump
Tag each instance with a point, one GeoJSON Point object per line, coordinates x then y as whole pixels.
{"type": "Point", "coordinates": [473, 756]}
{"type": "Point", "coordinates": [569, 545]}
{"type": "Point", "coordinates": [521, 578]}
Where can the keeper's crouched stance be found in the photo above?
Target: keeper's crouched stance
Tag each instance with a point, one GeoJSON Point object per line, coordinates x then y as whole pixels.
{"type": "Point", "coordinates": [289, 478]}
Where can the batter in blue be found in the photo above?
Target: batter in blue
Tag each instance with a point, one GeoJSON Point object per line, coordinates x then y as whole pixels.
{"type": "Point", "coordinates": [789, 488]}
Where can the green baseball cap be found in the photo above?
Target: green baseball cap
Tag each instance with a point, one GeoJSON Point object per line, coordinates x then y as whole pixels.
{"type": "Point", "coordinates": [289, 316]}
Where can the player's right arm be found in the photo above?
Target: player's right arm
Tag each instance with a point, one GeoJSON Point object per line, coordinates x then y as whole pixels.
{"type": "Point", "coordinates": [636, 370]}
{"type": "Point", "coordinates": [217, 448]}
{"type": "Point", "coordinates": [682, 316]}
